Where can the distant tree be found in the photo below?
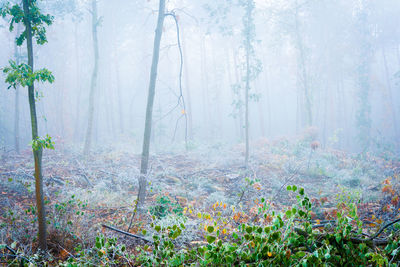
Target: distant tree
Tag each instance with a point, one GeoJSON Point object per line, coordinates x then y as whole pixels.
{"type": "Point", "coordinates": [247, 59]}
{"type": "Point", "coordinates": [18, 57]}
{"type": "Point", "coordinates": [253, 65]}
{"type": "Point", "coordinates": [93, 85]}
{"type": "Point", "coordinates": [365, 54]}
{"type": "Point", "coordinates": [302, 67]}
{"type": "Point", "coordinates": [149, 110]}
{"type": "Point", "coordinates": [24, 75]}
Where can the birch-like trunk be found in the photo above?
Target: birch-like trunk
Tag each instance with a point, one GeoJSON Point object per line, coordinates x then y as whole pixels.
{"type": "Point", "coordinates": [149, 110]}
{"type": "Point", "coordinates": [93, 86]}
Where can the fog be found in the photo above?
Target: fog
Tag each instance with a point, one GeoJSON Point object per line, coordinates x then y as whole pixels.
{"type": "Point", "coordinates": [250, 96]}
{"type": "Point", "coordinates": [335, 39]}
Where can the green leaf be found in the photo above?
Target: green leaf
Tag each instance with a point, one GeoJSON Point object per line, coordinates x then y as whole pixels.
{"type": "Point", "coordinates": [288, 213]}
{"type": "Point", "coordinates": [235, 235]}
{"type": "Point", "coordinates": [210, 229]}
{"type": "Point", "coordinates": [249, 229]}
{"type": "Point", "coordinates": [301, 191]}
{"type": "Point", "coordinates": [338, 237]}
{"type": "Point", "coordinates": [300, 254]}
{"type": "Point", "coordinates": [211, 239]}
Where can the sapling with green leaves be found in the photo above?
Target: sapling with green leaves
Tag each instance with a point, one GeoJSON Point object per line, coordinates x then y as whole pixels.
{"type": "Point", "coordinates": [250, 65]}
{"type": "Point", "coordinates": [28, 13]}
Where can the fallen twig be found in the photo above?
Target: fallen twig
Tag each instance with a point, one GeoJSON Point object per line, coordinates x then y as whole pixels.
{"type": "Point", "coordinates": [14, 254]}
{"type": "Point", "coordinates": [294, 174]}
{"type": "Point", "coordinates": [126, 233]}
{"type": "Point", "coordinates": [383, 228]}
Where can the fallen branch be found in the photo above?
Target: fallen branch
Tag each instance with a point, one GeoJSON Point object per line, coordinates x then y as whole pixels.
{"type": "Point", "coordinates": [14, 255]}
{"type": "Point", "coordinates": [126, 233]}
{"type": "Point", "coordinates": [355, 240]}
{"type": "Point", "coordinates": [373, 239]}
{"type": "Point", "coordinates": [383, 228]}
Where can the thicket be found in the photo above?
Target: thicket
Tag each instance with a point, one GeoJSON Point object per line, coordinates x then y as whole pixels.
{"type": "Point", "coordinates": [290, 237]}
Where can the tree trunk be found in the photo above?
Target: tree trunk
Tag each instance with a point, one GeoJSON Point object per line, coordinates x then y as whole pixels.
{"type": "Point", "coordinates": [16, 121]}
{"type": "Point", "coordinates": [303, 70]}
{"type": "Point", "coordinates": [93, 86]}
{"type": "Point", "coordinates": [248, 73]}
{"type": "Point", "coordinates": [108, 94]}
{"type": "Point", "coordinates": [16, 104]}
{"type": "Point", "coordinates": [246, 116]}
{"type": "Point", "coordinates": [268, 99]}
{"type": "Point", "coordinates": [228, 66]}
{"type": "Point", "coordinates": [77, 130]}
{"type": "Point", "coordinates": [37, 153]}
{"type": "Point", "coordinates": [204, 84]}
{"type": "Point", "coordinates": [363, 72]}
{"type": "Point", "coordinates": [261, 118]}
{"type": "Point", "coordinates": [389, 96]}
{"type": "Point", "coordinates": [238, 74]}
{"type": "Point", "coordinates": [119, 92]}
{"type": "Point", "coordinates": [149, 109]}
{"type": "Point", "coordinates": [188, 97]}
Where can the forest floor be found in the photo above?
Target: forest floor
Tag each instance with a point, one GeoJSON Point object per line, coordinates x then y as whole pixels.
{"type": "Point", "coordinates": [83, 194]}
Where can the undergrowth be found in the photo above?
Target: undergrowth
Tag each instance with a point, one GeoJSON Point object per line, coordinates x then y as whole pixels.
{"type": "Point", "coordinates": [266, 238]}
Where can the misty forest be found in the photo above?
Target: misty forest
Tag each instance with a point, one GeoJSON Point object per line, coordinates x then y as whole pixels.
{"type": "Point", "coordinates": [199, 133]}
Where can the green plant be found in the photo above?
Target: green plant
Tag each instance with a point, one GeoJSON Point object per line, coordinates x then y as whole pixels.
{"type": "Point", "coordinates": [63, 215]}
{"type": "Point", "coordinates": [105, 252]}
{"type": "Point", "coordinates": [28, 13]}
{"type": "Point", "coordinates": [41, 143]}
{"type": "Point", "coordinates": [276, 239]}
{"type": "Point", "coordinates": [164, 206]}
{"type": "Point", "coordinates": [287, 238]}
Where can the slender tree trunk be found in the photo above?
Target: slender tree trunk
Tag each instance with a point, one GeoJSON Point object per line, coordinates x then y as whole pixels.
{"type": "Point", "coordinates": [149, 110]}
{"type": "Point", "coordinates": [77, 130]}
{"type": "Point", "coordinates": [364, 87]}
{"type": "Point", "coordinates": [342, 105]}
{"type": "Point", "coordinates": [188, 87]}
{"type": "Point", "coordinates": [325, 116]}
{"type": "Point", "coordinates": [261, 118]}
{"type": "Point", "coordinates": [37, 154]}
{"type": "Point", "coordinates": [93, 86]}
{"type": "Point", "coordinates": [268, 100]}
{"type": "Point", "coordinates": [249, 10]}
{"type": "Point", "coordinates": [16, 105]}
{"type": "Point", "coordinates": [246, 116]}
{"type": "Point", "coordinates": [303, 70]}
{"type": "Point", "coordinates": [119, 92]}
{"type": "Point", "coordinates": [60, 107]}
{"type": "Point", "coordinates": [204, 85]}
{"type": "Point", "coordinates": [228, 66]}
{"type": "Point", "coordinates": [109, 103]}
{"type": "Point", "coordinates": [217, 126]}
{"type": "Point", "coordinates": [16, 121]}
{"type": "Point", "coordinates": [240, 95]}
{"type": "Point", "coordinates": [389, 94]}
